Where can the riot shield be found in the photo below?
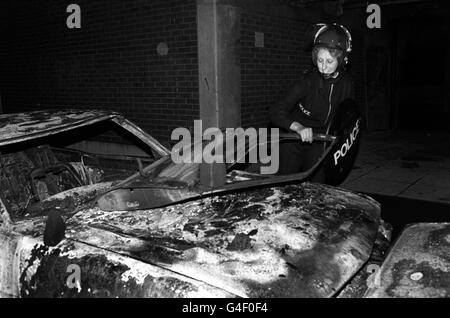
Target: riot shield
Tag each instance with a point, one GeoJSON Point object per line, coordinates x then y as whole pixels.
{"type": "Point", "coordinates": [345, 125]}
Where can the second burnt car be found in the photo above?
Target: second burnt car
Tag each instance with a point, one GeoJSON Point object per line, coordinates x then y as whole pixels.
{"type": "Point", "coordinates": [93, 206]}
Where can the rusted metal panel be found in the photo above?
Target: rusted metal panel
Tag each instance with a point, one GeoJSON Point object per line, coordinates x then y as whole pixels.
{"type": "Point", "coordinates": [302, 240]}
{"type": "Point", "coordinates": [418, 264]}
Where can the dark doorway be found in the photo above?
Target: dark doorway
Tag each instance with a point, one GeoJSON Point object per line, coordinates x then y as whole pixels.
{"type": "Point", "coordinates": [423, 65]}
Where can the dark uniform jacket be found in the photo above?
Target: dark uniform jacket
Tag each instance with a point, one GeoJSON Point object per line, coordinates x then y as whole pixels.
{"type": "Point", "coordinates": [312, 101]}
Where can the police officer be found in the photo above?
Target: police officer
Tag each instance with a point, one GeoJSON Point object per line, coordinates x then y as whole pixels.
{"type": "Point", "coordinates": [311, 102]}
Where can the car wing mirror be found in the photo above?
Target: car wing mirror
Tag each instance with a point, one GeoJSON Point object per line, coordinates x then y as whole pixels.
{"type": "Point", "coordinates": [55, 228]}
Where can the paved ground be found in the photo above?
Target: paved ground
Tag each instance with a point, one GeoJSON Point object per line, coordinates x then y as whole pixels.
{"type": "Point", "coordinates": [404, 164]}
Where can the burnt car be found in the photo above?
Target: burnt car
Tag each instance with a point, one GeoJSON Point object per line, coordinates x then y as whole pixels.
{"type": "Point", "coordinates": [93, 206]}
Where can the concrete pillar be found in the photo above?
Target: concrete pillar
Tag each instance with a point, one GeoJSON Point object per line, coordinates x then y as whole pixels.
{"type": "Point", "coordinates": [218, 31]}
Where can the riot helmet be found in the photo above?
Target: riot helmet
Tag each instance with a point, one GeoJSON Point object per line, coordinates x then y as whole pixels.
{"type": "Point", "coordinates": [337, 39]}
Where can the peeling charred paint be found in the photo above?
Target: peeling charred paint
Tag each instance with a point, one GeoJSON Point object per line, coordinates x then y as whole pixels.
{"type": "Point", "coordinates": [300, 245]}
{"type": "Point", "coordinates": [366, 276]}
{"type": "Point", "coordinates": [437, 279]}
{"type": "Point", "coordinates": [296, 249]}
{"type": "Point", "coordinates": [102, 275]}
{"type": "Point", "coordinates": [291, 240]}
{"type": "Point", "coordinates": [418, 264]}
{"type": "Point", "coordinates": [193, 239]}
{"type": "Point", "coordinates": [239, 243]}
{"type": "Point", "coordinates": [438, 239]}
{"type": "Point", "coordinates": [19, 127]}
{"type": "Point", "coordinates": [24, 126]}
{"type": "Point", "coordinates": [66, 203]}
{"type": "Point", "coordinates": [311, 273]}
{"type": "Point", "coordinates": [359, 284]}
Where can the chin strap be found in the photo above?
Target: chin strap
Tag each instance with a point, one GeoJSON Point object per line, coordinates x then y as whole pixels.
{"type": "Point", "coordinates": [332, 75]}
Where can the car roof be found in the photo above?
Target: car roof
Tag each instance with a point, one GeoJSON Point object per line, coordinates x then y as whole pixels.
{"type": "Point", "coordinates": [18, 127]}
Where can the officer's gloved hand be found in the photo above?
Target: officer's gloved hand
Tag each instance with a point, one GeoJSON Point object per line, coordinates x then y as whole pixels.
{"type": "Point", "coordinates": [305, 133]}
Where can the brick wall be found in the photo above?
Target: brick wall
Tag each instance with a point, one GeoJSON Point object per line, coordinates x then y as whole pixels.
{"type": "Point", "coordinates": [357, 68]}
{"type": "Point", "coordinates": [110, 63]}
{"type": "Point", "coordinates": [267, 73]}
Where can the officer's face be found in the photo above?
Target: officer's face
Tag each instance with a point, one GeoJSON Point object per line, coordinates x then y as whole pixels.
{"type": "Point", "coordinates": [326, 63]}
